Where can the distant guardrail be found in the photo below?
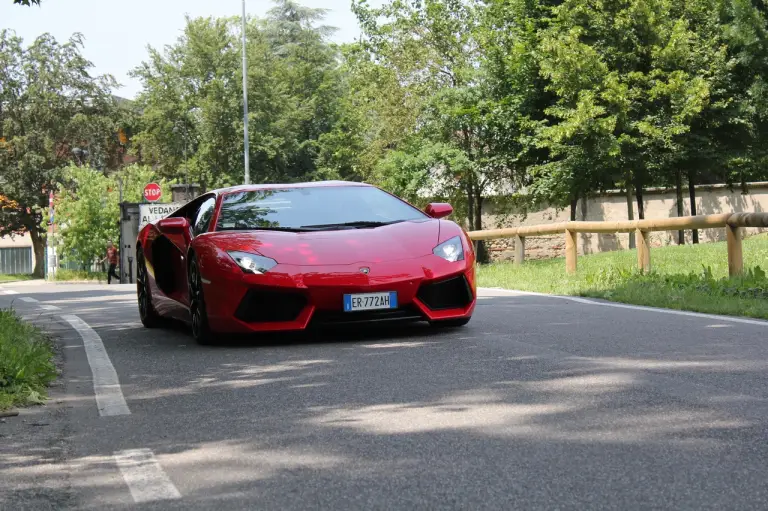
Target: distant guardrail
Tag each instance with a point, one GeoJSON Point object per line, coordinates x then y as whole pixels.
{"type": "Point", "coordinates": [733, 223]}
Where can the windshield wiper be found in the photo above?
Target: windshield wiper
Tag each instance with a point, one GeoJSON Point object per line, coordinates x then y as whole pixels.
{"type": "Point", "coordinates": [351, 225]}
{"type": "Point", "coordinates": [257, 228]}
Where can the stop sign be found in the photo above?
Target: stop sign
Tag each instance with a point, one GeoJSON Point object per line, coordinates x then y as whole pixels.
{"type": "Point", "coordinates": [152, 192]}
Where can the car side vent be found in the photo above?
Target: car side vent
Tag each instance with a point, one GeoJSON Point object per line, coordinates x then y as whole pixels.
{"type": "Point", "coordinates": [260, 306]}
{"type": "Point", "coordinates": [453, 293]}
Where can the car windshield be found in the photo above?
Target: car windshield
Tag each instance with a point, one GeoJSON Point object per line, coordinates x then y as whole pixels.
{"type": "Point", "coordinates": [313, 208]}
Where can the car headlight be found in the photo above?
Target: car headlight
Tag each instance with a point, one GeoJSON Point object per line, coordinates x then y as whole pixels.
{"type": "Point", "coordinates": [451, 250]}
{"type": "Point", "coordinates": [253, 263]}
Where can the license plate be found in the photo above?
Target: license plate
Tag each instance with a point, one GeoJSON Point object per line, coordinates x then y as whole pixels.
{"type": "Point", "coordinates": [370, 301]}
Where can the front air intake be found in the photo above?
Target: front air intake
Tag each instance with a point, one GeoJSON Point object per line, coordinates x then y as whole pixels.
{"type": "Point", "coordinates": [261, 306]}
{"type": "Point", "coordinates": [453, 293]}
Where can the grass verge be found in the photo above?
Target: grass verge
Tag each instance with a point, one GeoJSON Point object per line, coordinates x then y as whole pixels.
{"type": "Point", "coordinates": [69, 275]}
{"type": "Point", "coordinates": [14, 278]}
{"type": "Point", "coordinates": [690, 277]}
{"type": "Point", "coordinates": [26, 362]}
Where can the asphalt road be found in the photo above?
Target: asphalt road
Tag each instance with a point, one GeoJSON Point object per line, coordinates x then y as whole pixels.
{"type": "Point", "coordinates": [539, 403]}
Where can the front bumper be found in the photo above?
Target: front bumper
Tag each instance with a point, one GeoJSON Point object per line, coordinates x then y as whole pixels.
{"type": "Point", "coordinates": [297, 297]}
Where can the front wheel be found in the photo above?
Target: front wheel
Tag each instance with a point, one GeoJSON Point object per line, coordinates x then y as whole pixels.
{"type": "Point", "coordinates": [147, 313]}
{"type": "Point", "coordinates": [200, 330]}
{"type": "Point", "coordinates": [450, 323]}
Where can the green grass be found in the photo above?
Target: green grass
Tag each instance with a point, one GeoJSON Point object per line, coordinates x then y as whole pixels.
{"type": "Point", "coordinates": [690, 277]}
{"type": "Point", "coordinates": [26, 362]}
{"type": "Point", "coordinates": [69, 275]}
{"type": "Point", "coordinates": [14, 278]}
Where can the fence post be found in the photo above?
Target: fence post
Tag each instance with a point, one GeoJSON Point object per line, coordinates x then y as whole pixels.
{"type": "Point", "coordinates": [735, 254]}
{"type": "Point", "coordinates": [643, 250]}
{"type": "Point", "coordinates": [519, 249]}
{"type": "Point", "coordinates": [570, 252]}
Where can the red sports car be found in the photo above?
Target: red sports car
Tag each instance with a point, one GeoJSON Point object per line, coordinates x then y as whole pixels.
{"type": "Point", "coordinates": [286, 257]}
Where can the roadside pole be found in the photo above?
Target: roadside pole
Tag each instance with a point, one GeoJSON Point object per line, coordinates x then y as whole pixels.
{"type": "Point", "coordinates": [120, 227]}
{"type": "Point", "coordinates": [51, 260]}
{"type": "Point", "coordinates": [245, 107]}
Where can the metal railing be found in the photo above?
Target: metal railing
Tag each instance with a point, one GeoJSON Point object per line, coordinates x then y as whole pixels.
{"type": "Point", "coordinates": [16, 260]}
{"type": "Point", "coordinates": [734, 224]}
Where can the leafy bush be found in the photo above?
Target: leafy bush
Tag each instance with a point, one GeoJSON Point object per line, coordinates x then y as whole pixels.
{"type": "Point", "coordinates": [26, 362]}
{"type": "Point", "coordinates": [88, 208]}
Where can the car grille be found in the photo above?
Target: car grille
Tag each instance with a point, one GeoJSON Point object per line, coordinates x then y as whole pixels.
{"type": "Point", "coordinates": [261, 306]}
{"type": "Point", "coordinates": [323, 318]}
{"type": "Point", "coordinates": [453, 293]}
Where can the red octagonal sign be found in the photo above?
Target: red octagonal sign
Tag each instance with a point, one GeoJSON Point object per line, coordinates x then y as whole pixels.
{"type": "Point", "coordinates": [152, 192]}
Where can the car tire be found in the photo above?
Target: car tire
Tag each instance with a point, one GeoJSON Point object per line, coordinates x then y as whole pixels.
{"type": "Point", "coordinates": [197, 309]}
{"type": "Point", "coordinates": [450, 323]}
{"type": "Point", "coordinates": [147, 313]}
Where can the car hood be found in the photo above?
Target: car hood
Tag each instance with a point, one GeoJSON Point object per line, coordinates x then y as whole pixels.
{"type": "Point", "coordinates": [404, 240]}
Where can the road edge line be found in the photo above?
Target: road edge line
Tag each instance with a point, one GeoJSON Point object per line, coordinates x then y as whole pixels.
{"type": "Point", "coordinates": [106, 384]}
{"type": "Point", "coordinates": [644, 308]}
{"type": "Point", "coordinates": [144, 476]}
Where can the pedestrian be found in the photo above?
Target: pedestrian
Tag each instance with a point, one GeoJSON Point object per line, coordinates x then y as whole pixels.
{"type": "Point", "coordinates": [112, 254]}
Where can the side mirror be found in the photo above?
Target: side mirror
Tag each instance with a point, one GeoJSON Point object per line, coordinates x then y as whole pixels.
{"type": "Point", "coordinates": [173, 224]}
{"type": "Point", "coordinates": [439, 209]}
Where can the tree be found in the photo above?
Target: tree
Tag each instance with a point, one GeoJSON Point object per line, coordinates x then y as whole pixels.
{"type": "Point", "coordinates": [27, 2]}
{"type": "Point", "coordinates": [430, 54]}
{"type": "Point", "coordinates": [636, 83]}
{"type": "Point", "coordinates": [49, 104]}
{"type": "Point", "coordinates": [87, 214]}
{"type": "Point", "coordinates": [192, 98]}
{"type": "Point", "coordinates": [88, 208]}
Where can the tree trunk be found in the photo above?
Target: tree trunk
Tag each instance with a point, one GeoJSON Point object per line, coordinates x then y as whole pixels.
{"type": "Point", "coordinates": [679, 195]}
{"type": "Point", "coordinates": [692, 194]}
{"type": "Point", "coordinates": [639, 197]}
{"type": "Point", "coordinates": [481, 251]}
{"type": "Point", "coordinates": [574, 205]}
{"type": "Point", "coordinates": [630, 210]}
{"type": "Point", "coordinates": [470, 206]}
{"type": "Point", "coordinates": [38, 245]}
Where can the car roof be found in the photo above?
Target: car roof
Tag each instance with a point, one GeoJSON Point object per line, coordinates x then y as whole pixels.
{"type": "Point", "coordinates": [282, 186]}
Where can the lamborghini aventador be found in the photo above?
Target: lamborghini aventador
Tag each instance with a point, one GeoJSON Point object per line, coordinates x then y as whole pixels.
{"type": "Point", "coordinates": [291, 256]}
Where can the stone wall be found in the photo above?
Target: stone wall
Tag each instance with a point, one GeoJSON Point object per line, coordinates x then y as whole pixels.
{"type": "Point", "coordinates": [612, 206]}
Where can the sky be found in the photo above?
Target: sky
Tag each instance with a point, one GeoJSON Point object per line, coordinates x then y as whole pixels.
{"type": "Point", "coordinates": [117, 33]}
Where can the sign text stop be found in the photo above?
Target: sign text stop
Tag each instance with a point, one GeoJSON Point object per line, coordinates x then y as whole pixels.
{"type": "Point", "coordinates": [152, 192]}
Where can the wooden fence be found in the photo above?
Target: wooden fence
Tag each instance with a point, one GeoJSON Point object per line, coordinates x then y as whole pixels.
{"type": "Point", "coordinates": [734, 224]}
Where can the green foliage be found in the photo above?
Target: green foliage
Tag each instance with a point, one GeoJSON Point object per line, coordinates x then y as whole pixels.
{"type": "Point", "coordinates": [88, 215]}
{"type": "Point", "coordinates": [528, 102]}
{"type": "Point", "coordinates": [88, 208]}
{"type": "Point", "coordinates": [65, 275]}
{"type": "Point", "coordinates": [26, 362]}
{"type": "Point", "coordinates": [14, 278]}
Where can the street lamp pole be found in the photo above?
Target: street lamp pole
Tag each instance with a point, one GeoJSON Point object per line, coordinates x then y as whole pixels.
{"type": "Point", "coordinates": [245, 106]}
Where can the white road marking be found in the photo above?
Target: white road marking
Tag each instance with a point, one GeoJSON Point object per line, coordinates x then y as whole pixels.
{"type": "Point", "coordinates": [47, 307]}
{"type": "Point", "coordinates": [8, 292]}
{"type": "Point", "coordinates": [28, 299]}
{"type": "Point", "coordinates": [144, 476]}
{"type": "Point", "coordinates": [106, 385]}
{"type": "Point", "coordinates": [587, 301]}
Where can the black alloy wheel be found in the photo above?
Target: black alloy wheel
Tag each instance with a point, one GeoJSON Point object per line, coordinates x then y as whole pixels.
{"type": "Point", "coordinates": [147, 313]}
{"type": "Point", "coordinates": [197, 310]}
